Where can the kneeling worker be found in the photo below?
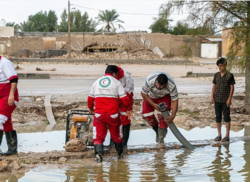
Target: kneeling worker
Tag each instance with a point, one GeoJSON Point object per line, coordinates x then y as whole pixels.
{"type": "Point", "coordinates": [104, 96]}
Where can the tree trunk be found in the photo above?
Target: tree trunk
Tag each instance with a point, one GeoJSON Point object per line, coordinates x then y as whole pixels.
{"type": "Point", "coordinates": [247, 74]}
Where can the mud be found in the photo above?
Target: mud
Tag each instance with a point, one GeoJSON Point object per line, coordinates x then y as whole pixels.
{"type": "Point", "coordinates": [193, 112]}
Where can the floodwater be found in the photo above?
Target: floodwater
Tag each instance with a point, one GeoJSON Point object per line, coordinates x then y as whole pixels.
{"type": "Point", "coordinates": [228, 162]}
{"type": "Point", "coordinates": [55, 140]}
{"type": "Point", "coordinates": [225, 163]}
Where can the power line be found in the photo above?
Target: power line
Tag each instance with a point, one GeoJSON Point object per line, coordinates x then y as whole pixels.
{"type": "Point", "coordinates": [125, 12]}
{"type": "Point", "coordinates": [61, 8]}
{"type": "Point", "coordinates": [117, 12]}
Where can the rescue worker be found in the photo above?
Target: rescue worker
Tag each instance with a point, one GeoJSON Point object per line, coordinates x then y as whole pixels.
{"type": "Point", "coordinates": [8, 102]}
{"type": "Point", "coordinates": [104, 96]}
{"type": "Point", "coordinates": [126, 112]}
{"type": "Point", "coordinates": [159, 87]}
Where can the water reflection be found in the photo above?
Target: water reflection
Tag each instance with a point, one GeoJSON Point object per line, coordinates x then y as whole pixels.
{"type": "Point", "coordinates": [221, 165]}
{"type": "Point", "coordinates": [229, 162]}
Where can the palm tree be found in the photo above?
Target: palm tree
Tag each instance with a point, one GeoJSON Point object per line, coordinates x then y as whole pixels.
{"type": "Point", "coordinates": [27, 26]}
{"type": "Point", "coordinates": [109, 19]}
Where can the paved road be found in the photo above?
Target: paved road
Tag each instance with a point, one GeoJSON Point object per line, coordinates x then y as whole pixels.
{"type": "Point", "coordinates": [188, 86]}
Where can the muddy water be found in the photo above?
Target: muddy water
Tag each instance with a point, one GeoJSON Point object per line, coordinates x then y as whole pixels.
{"type": "Point", "coordinates": [55, 140]}
{"type": "Point", "coordinates": [225, 163]}
{"type": "Point", "coordinates": [229, 162]}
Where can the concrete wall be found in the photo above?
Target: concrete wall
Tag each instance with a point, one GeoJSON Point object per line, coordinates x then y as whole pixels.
{"type": "Point", "coordinates": [168, 44]}
{"type": "Point", "coordinates": [6, 31]}
{"type": "Point", "coordinates": [49, 43]}
{"type": "Point", "coordinates": [13, 45]}
{"type": "Point", "coordinates": [58, 34]}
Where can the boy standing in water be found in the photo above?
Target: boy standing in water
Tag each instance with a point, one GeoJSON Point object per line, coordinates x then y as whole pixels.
{"type": "Point", "coordinates": [222, 93]}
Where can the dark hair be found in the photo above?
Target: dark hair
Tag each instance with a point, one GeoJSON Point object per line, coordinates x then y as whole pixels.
{"type": "Point", "coordinates": [111, 69]}
{"type": "Point", "coordinates": [162, 79]}
{"type": "Point", "coordinates": [221, 61]}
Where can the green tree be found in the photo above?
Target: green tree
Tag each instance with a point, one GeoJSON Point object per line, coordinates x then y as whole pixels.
{"type": "Point", "coordinates": [108, 19]}
{"type": "Point", "coordinates": [160, 25]}
{"type": "Point", "coordinates": [232, 14]}
{"type": "Point", "coordinates": [64, 21]}
{"type": "Point", "coordinates": [12, 24]}
{"type": "Point", "coordinates": [43, 21]}
{"type": "Point", "coordinates": [27, 26]}
{"type": "Point", "coordinates": [180, 29]}
{"type": "Point", "coordinates": [78, 22]}
{"type": "Point", "coordinates": [51, 21]}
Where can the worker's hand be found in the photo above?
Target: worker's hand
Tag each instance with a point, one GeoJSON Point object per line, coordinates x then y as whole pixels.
{"type": "Point", "coordinates": [91, 111]}
{"type": "Point", "coordinates": [170, 119]}
{"type": "Point", "coordinates": [212, 100]}
{"type": "Point", "coordinates": [11, 100]}
{"type": "Point", "coordinates": [156, 107]}
{"type": "Point", "coordinates": [129, 114]}
{"type": "Point", "coordinates": [229, 102]}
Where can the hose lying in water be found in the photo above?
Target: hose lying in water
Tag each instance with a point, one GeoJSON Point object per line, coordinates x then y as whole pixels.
{"type": "Point", "coordinates": [163, 108]}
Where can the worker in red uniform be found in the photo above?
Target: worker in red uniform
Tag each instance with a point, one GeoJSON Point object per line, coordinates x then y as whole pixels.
{"type": "Point", "coordinates": [8, 102]}
{"type": "Point", "coordinates": [159, 87]}
{"type": "Point", "coordinates": [126, 112]}
{"type": "Point", "coordinates": [104, 97]}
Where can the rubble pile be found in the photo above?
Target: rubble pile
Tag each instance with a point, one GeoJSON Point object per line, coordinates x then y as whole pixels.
{"type": "Point", "coordinates": [130, 46]}
{"type": "Point", "coordinates": [134, 55]}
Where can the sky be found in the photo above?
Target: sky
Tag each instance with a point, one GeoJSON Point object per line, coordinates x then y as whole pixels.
{"type": "Point", "coordinates": [18, 10]}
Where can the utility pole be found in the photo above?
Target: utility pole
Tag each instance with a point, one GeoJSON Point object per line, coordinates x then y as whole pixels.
{"type": "Point", "coordinates": [69, 38]}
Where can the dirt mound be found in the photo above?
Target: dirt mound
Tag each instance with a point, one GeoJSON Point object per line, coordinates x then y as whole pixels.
{"type": "Point", "coordinates": [75, 145]}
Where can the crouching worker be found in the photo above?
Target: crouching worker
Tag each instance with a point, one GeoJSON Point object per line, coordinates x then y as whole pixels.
{"type": "Point", "coordinates": [159, 87]}
{"type": "Point", "coordinates": [104, 96]}
{"type": "Point", "coordinates": [8, 102]}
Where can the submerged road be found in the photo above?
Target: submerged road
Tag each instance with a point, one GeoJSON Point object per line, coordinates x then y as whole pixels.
{"type": "Point", "coordinates": [41, 87]}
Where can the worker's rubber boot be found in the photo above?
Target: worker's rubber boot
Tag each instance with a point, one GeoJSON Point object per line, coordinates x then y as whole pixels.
{"type": "Point", "coordinates": [11, 138]}
{"type": "Point", "coordinates": [112, 143]}
{"type": "Point", "coordinates": [125, 131]}
{"type": "Point", "coordinates": [98, 153]}
{"type": "Point", "coordinates": [119, 150]}
{"type": "Point", "coordinates": [1, 138]}
{"type": "Point", "coordinates": [155, 128]}
{"type": "Point", "coordinates": [162, 134]}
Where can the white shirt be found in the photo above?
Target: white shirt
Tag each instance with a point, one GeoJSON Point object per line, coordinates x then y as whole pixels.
{"type": "Point", "coordinates": [107, 86]}
{"type": "Point", "coordinates": [7, 70]}
{"type": "Point", "coordinates": [127, 82]}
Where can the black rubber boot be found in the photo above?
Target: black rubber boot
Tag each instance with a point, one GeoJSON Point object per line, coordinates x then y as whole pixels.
{"type": "Point", "coordinates": [11, 138]}
{"type": "Point", "coordinates": [112, 143]}
{"type": "Point", "coordinates": [1, 136]}
{"type": "Point", "coordinates": [119, 150]}
{"type": "Point", "coordinates": [155, 128]}
{"type": "Point", "coordinates": [98, 153]}
{"type": "Point", "coordinates": [125, 131]}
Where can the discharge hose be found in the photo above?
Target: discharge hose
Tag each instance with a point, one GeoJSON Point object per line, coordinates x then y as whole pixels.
{"type": "Point", "coordinates": [163, 108]}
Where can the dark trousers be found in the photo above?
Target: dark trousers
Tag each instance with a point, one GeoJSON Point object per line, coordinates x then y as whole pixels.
{"type": "Point", "coordinates": [222, 108]}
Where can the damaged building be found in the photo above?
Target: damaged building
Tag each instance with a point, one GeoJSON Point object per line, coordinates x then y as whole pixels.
{"type": "Point", "coordinates": [133, 45]}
